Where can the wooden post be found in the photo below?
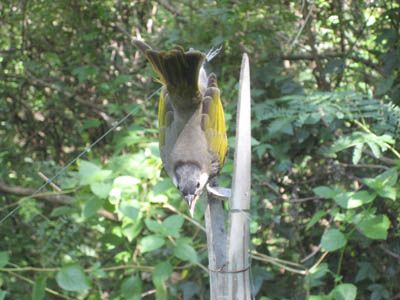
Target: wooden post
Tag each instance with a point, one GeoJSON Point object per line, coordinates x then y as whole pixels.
{"type": "Point", "coordinates": [228, 256]}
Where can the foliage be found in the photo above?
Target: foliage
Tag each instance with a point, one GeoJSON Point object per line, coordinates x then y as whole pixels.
{"type": "Point", "coordinates": [325, 209]}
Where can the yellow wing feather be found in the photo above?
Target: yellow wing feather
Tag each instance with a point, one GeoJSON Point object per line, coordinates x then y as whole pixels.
{"type": "Point", "coordinates": [162, 118]}
{"type": "Point", "coordinates": [214, 125]}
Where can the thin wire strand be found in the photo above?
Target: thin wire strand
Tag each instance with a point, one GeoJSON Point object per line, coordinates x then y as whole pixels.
{"type": "Point", "coordinates": [87, 149]}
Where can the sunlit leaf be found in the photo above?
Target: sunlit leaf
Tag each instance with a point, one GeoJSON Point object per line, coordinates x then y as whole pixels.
{"type": "Point", "coordinates": [344, 291]}
{"type": "Point", "coordinates": [350, 200]}
{"type": "Point", "coordinates": [101, 189]}
{"type": "Point", "coordinates": [324, 192]}
{"type": "Point", "coordinates": [374, 227]}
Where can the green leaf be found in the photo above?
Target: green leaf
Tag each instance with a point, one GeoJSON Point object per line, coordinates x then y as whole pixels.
{"type": "Point", "coordinates": [129, 211]}
{"type": "Point", "coordinates": [374, 227]}
{"type": "Point", "coordinates": [154, 226]}
{"type": "Point", "coordinates": [131, 288]}
{"type": "Point", "coordinates": [384, 85]}
{"type": "Point", "coordinates": [345, 291]}
{"type": "Point", "coordinates": [3, 294]}
{"type": "Point", "coordinates": [324, 192]}
{"type": "Point", "coordinates": [184, 251]}
{"type": "Point", "coordinates": [4, 258]}
{"type": "Point", "coordinates": [151, 243]}
{"type": "Point", "coordinates": [91, 207]}
{"type": "Point", "coordinates": [379, 292]}
{"type": "Point", "coordinates": [375, 149]}
{"type": "Point", "coordinates": [173, 224]}
{"type": "Point", "coordinates": [72, 278]}
{"type": "Point", "coordinates": [126, 182]}
{"type": "Point", "coordinates": [281, 126]}
{"type": "Point", "coordinates": [350, 200]}
{"type": "Point", "coordinates": [161, 273]}
{"type": "Point", "coordinates": [39, 288]}
{"type": "Point", "coordinates": [90, 173]}
{"type": "Point", "coordinates": [87, 169]}
{"type": "Point", "coordinates": [315, 276]}
{"type": "Point", "coordinates": [315, 218]}
{"type": "Point", "coordinates": [163, 186]}
{"type": "Point", "coordinates": [384, 183]}
{"type": "Point", "coordinates": [85, 72]}
{"type": "Point", "coordinates": [132, 230]}
{"type": "Point", "coordinates": [101, 189]}
{"type": "Point", "coordinates": [90, 123]}
{"type": "Point", "coordinates": [319, 297]}
{"type": "Point", "coordinates": [388, 192]}
{"type": "Point", "coordinates": [333, 240]}
{"type": "Point", "coordinates": [62, 211]}
{"type": "Point", "coordinates": [357, 152]}
{"type": "Point", "coordinates": [387, 178]}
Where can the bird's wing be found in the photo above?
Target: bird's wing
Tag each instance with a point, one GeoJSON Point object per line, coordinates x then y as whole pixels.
{"type": "Point", "coordinates": [165, 119]}
{"type": "Point", "coordinates": [213, 121]}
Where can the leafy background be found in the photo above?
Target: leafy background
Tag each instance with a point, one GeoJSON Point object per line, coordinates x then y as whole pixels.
{"type": "Point", "coordinates": [325, 88]}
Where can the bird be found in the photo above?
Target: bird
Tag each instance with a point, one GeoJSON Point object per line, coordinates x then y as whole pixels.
{"type": "Point", "coordinates": [192, 132]}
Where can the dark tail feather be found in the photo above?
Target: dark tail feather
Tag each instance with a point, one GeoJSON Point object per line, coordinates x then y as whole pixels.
{"type": "Point", "coordinates": [179, 71]}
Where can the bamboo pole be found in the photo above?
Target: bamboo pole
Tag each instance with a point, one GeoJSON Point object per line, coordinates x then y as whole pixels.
{"type": "Point", "coordinates": [228, 256]}
{"type": "Point", "coordinates": [238, 245]}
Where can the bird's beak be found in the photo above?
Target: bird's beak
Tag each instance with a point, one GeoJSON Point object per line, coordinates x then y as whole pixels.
{"type": "Point", "coordinates": [191, 200]}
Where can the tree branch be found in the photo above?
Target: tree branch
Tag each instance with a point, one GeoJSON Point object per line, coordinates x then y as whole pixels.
{"type": "Point", "coordinates": [53, 198]}
{"type": "Point", "coordinates": [327, 55]}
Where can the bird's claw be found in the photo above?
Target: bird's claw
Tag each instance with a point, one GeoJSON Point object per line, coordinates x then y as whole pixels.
{"type": "Point", "coordinates": [219, 192]}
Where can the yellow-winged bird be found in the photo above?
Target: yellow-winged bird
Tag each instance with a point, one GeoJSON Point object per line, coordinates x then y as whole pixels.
{"type": "Point", "coordinates": [192, 133]}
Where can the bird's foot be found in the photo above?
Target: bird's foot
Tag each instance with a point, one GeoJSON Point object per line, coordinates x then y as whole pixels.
{"type": "Point", "coordinates": [219, 192]}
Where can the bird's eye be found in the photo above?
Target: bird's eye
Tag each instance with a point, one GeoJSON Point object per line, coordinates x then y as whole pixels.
{"type": "Point", "coordinates": [198, 184]}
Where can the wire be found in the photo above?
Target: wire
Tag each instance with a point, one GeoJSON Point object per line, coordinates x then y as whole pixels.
{"type": "Point", "coordinates": [87, 149]}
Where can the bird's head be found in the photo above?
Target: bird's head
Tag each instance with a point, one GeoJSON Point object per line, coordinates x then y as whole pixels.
{"type": "Point", "coordinates": [190, 181]}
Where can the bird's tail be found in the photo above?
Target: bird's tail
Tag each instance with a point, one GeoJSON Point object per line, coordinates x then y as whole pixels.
{"type": "Point", "coordinates": [179, 71]}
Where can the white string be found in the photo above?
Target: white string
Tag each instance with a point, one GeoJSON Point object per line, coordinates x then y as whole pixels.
{"type": "Point", "coordinates": [87, 149]}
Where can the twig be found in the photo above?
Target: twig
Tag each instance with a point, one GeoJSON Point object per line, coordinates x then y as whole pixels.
{"type": "Point", "coordinates": [268, 185]}
{"type": "Point", "coordinates": [52, 184]}
{"type": "Point", "coordinates": [50, 291]}
{"type": "Point", "coordinates": [389, 252]}
{"type": "Point", "coordinates": [384, 159]}
{"type": "Point", "coordinates": [301, 29]}
{"type": "Point", "coordinates": [305, 199]}
{"type": "Point", "coordinates": [191, 220]}
{"type": "Point", "coordinates": [369, 166]}
{"type": "Point", "coordinates": [51, 197]}
{"type": "Point", "coordinates": [278, 264]}
{"type": "Point", "coordinates": [168, 6]}
{"type": "Point", "coordinates": [366, 129]}
{"type": "Point", "coordinates": [270, 258]}
{"type": "Point", "coordinates": [319, 261]}
{"type": "Point", "coordinates": [312, 254]}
